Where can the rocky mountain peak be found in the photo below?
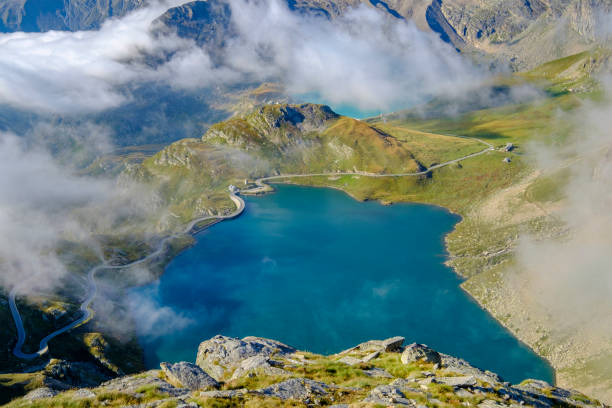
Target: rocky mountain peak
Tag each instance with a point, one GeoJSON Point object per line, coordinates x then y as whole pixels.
{"type": "Point", "coordinates": [255, 371]}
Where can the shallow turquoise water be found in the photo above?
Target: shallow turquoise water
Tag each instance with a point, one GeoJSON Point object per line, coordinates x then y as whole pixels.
{"type": "Point", "coordinates": [348, 109]}
{"type": "Point", "coordinates": [322, 272]}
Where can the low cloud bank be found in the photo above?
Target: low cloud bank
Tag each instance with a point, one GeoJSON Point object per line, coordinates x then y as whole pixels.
{"type": "Point", "coordinates": [571, 277]}
{"type": "Point", "coordinates": [45, 204]}
{"type": "Point", "coordinates": [152, 319]}
{"type": "Point", "coordinates": [364, 58]}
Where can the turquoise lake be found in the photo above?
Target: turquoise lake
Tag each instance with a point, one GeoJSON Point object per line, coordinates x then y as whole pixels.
{"type": "Point", "coordinates": [322, 272]}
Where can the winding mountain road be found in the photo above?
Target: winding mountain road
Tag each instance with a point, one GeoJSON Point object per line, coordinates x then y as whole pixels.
{"type": "Point", "coordinates": [262, 187]}
{"type": "Point", "coordinates": [92, 288]}
{"type": "Point", "coordinates": [240, 205]}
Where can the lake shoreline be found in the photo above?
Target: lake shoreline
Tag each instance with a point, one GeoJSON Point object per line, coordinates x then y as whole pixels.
{"type": "Point", "coordinates": [443, 242]}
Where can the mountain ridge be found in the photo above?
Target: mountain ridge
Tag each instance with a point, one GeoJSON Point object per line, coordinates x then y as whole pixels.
{"type": "Point", "coordinates": [255, 371]}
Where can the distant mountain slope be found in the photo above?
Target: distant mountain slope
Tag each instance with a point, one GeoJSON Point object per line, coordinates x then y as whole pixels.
{"type": "Point", "coordinates": [45, 15]}
{"type": "Point", "coordinates": [193, 174]}
{"type": "Point", "coordinates": [521, 33]}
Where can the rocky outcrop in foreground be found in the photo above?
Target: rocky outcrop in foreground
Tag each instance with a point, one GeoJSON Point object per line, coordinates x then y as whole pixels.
{"type": "Point", "coordinates": [254, 371]}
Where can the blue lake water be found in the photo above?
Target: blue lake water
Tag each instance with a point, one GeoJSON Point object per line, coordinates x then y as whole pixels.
{"type": "Point", "coordinates": [348, 109]}
{"type": "Point", "coordinates": [322, 272]}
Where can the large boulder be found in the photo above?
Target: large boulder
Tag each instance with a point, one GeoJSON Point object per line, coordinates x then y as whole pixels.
{"type": "Point", "coordinates": [222, 355]}
{"type": "Point", "coordinates": [420, 352]}
{"type": "Point", "coordinates": [188, 375]}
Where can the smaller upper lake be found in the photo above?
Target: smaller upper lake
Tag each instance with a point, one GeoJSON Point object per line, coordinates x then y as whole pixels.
{"type": "Point", "coordinates": [322, 272]}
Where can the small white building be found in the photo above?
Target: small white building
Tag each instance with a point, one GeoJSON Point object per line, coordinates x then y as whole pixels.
{"type": "Point", "coordinates": [233, 189]}
{"type": "Point", "coordinates": [507, 160]}
{"type": "Point", "coordinates": [509, 147]}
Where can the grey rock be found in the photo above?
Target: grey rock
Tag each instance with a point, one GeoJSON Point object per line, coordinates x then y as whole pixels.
{"type": "Point", "coordinates": [83, 393]}
{"type": "Point", "coordinates": [40, 393]}
{"type": "Point", "coordinates": [393, 344]}
{"type": "Point", "coordinates": [32, 15]}
{"type": "Point", "coordinates": [405, 385]}
{"type": "Point", "coordinates": [187, 405]}
{"type": "Point", "coordinates": [459, 366]}
{"type": "Point", "coordinates": [535, 386]}
{"type": "Point", "coordinates": [420, 352]}
{"type": "Point", "coordinates": [301, 389]}
{"type": "Point", "coordinates": [55, 384]}
{"type": "Point", "coordinates": [80, 374]}
{"type": "Point", "coordinates": [224, 393]}
{"type": "Point", "coordinates": [208, 23]}
{"type": "Point", "coordinates": [377, 372]}
{"type": "Point", "coordinates": [463, 393]}
{"type": "Point", "coordinates": [131, 384]}
{"type": "Point", "coordinates": [388, 345]}
{"type": "Point", "coordinates": [490, 404]}
{"type": "Point", "coordinates": [350, 360]}
{"type": "Point", "coordinates": [371, 357]}
{"type": "Point", "coordinates": [388, 394]}
{"type": "Point", "coordinates": [458, 382]}
{"type": "Point", "coordinates": [258, 363]}
{"type": "Point", "coordinates": [188, 375]}
{"type": "Point", "coordinates": [221, 354]}
{"type": "Point", "coordinates": [540, 394]}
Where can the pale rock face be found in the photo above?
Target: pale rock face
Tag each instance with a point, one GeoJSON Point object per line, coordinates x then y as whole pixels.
{"type": "Point", "coordinates": [188, 375]}
{"type": "Point", "coordinates": [73, 15]}
{"type": "Point", "coordinates": [221, 354]}
{"type": "Point", "coordinates": [420, 352]}
{"type": "Point", "coordinates": [460, 366]}
{"type": "Point", "coordinates": [258, 364]}
{"type": "Point", "coordinates": [392, 344]}
{"type": "Point", "coordinates": [84, 393]}
{"type": "Point", "coordinates": [389, 394]}
{"type": "Point", "coordinates": [458, 382]}
{"type": "Point", "coordinates": [39, 393]}
{"type": "Point", "coordinates": [300, 389]}
{"type": "Point", "coordinates": [133, 383]}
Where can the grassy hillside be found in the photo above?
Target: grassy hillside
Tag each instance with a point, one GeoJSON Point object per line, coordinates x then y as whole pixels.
{"type": "Point", "coordinates": [193, 175]}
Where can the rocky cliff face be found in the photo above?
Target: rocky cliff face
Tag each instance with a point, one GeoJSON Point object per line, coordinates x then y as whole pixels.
{"type": "Point", "coordinates": [254, 371]}
{"type": "Point", "coordinates": [521, 33]}
{"type": "Point", "coordinates": [45, 15]}
{"type": "Point", "coordinates": [206, 22]}
{"type": "Point", "coordinates": [524, 33]}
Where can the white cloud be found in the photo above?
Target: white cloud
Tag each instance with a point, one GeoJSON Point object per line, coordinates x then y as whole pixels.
{"type": "Point", "coordinates": [43, 203]}
{"type": "Point", "coordinates": [570, 278]}
{"type": "Point", "coordinates": [364, 58]}
{"type": "Point", "coordinates": [152, 319]}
